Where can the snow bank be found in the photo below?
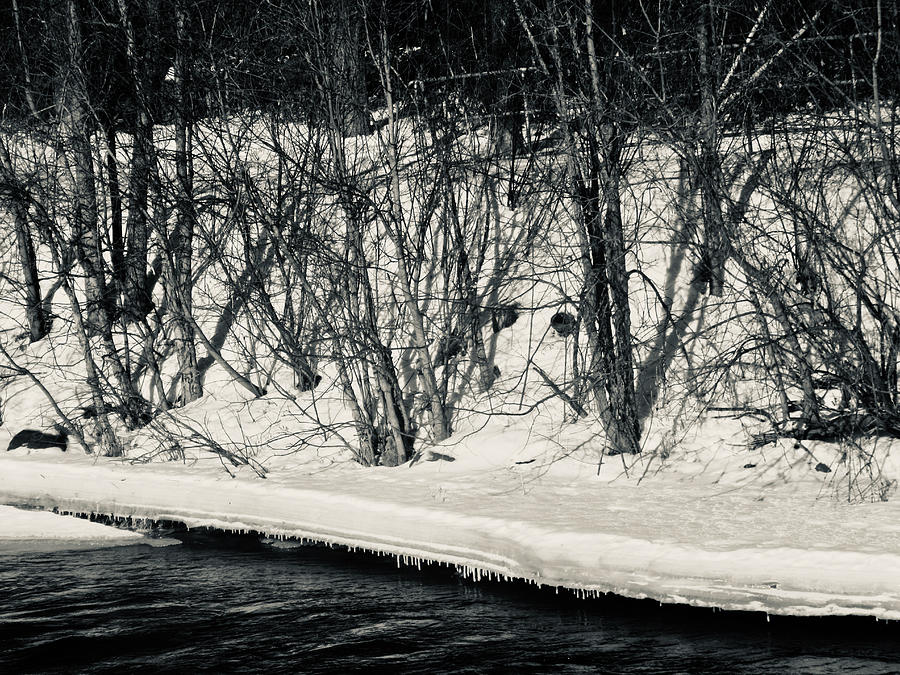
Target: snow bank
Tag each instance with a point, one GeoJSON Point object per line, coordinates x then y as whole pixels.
{"type": "Point", "coordinates": [699, 542]}
{"type": "Point", "coordinates": [21, 529]}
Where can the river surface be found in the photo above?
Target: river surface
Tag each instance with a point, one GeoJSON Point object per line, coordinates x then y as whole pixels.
{"type": "Point", "coordinates": [214, 604]}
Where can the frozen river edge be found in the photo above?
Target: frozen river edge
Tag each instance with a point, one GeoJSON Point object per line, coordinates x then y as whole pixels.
{"type": "Point", "coordinates": [509, 540]}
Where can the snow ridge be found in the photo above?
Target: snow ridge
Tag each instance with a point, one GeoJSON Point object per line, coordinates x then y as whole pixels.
{"type": "Point", "coordinates": [504, 541]}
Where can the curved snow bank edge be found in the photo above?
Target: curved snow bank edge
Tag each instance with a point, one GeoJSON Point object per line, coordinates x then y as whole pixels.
{"type": "Point", "coordinates": [773, 580]}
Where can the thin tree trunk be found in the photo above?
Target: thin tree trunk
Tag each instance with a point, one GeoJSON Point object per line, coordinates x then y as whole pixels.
{"type": "Point", "coordinates": [137, 301]}
{"type": "Point", "coordinates": [34, 311]}
{"type": "Point", "coordinates": [714, 254]}
{"type": "Point", "coordinates": [75, 130]}
{"type": "Point", "coordinates": [594, 304]}
{"type": "Point", "coordinates": [350, 93]}
{"type": "Point", "coordinates": [609, 275]}
{"type": "Point", "coordinates": [621, 393]}
{"type": "Point", "coordinates": [366, 452]}
{"type": "Point", "coordinates": [384, 370]}
{"type": "Point", "coordinates": [467, 284]}
{"type": "Point", "coordinates": [106, 437]}
{"type": "Point", "coordinates": [37, 322]}
{"type": "Point", "coordinates": [181, 242]}
{"type": "Point", "coordinates": [137, 294]}
{"type": "Point", "coordinates": [439, 423]}
{"type": "Point", "coordinates": [26, 68]}
{"type": "Point", "coordinates": [115, 206]}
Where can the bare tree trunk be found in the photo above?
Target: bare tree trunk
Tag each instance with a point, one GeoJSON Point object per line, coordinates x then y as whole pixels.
{"type": "Point", "coordinates": [377, 364]}
{"type": "Point", "coordinates": [594, 302]}
{"type": "Point", "coordinates": [804, 375]}
{"type": "Point", "coordinates": [37, 322]}
{"type": "Point", "coordinates": [621, 391]}
{"type": "Point", "coordinates": [353, 110]}
{"type": "Point", "coordinates": [712, 264]}
{"type": "Point", "coordinates": [23, 54]}
{"type": "Point", "coordinates": [104, 434]}
{"type": "Point", "coordinates": [137, 293]}
{"type": "Point", "coordinates": [76, 131]}
{"type": "Point", "coordinates": [466, 280]}
{"type": "Point", "coordinates": [34, 311]}
{"type": "Point", "coordinates": [604, 299]}
{"type": "Point", "coordinates": [395, 230]}
{"type": "Point", "coordinates": [608, 316]}
{"type": "Point", "coordinates": [180, 267]}
{"type": "Point", "coordinates": [367, 451]}
{"type": "Point", "coordinates": [439, 423]}
{"type": "Point", "coordinates": [382, 365]}
{"type": "Point", "coordinates": [137, 301]}
{"type": "Point", "coordinates": [115, 206]}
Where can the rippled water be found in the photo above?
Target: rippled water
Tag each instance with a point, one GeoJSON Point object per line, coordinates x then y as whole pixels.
{"type": "Point", "coordinates": [236, 606]}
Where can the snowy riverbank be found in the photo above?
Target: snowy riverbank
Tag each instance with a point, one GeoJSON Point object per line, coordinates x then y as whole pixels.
{"type": "Point", "coordinates": [708, 539]}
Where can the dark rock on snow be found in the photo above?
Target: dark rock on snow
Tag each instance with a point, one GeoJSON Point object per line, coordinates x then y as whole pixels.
{"type": "Point", "coordinates": [563, 323]}
{"type": "Point", "coordinates": [39, 440]}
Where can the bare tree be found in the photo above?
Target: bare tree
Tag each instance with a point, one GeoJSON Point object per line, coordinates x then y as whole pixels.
{"type": "Point", "coordinates": [595, 124]}
{"type": "Point", "coordinates": [179, 249]}
{"type": "Point", "coordinates": [137, 301]}
{"type": "Point", "coordinates": [16, 198]}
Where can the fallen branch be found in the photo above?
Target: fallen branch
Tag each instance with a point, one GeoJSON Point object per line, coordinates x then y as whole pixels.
{"type": "Point", "coordinates": [576, 406]}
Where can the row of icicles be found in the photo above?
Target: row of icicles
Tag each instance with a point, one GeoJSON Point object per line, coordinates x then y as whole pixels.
{"type": "Point", "coordinates": [470, 572]}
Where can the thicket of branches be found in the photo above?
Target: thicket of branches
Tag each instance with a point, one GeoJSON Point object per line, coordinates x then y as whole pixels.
{"type": "Point", "coordinates": [374, 184]}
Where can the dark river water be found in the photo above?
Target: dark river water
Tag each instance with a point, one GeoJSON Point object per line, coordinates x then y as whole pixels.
{"type": "Point", "coordinates": [218, 605]}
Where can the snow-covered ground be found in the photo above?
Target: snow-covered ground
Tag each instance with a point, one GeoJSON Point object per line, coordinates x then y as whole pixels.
{"type": "Point", "coordinates": [22, 529]}
{"type": "Point", "coordinates": [774, 538]}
